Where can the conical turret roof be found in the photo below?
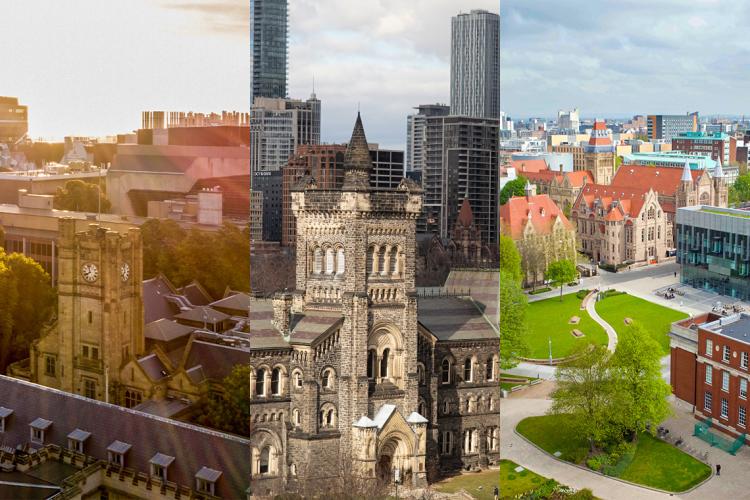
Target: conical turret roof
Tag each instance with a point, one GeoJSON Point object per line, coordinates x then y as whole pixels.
{"type": "Point", "coordinates": [357, 156]}
{"type": "Point", "coordinates": [718, 170]}
{"type": "Point", "coordinates": [686, 175]}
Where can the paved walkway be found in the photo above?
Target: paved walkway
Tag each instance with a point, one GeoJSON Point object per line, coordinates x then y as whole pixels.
{"type": "Point", "coordinates": [611, 333]}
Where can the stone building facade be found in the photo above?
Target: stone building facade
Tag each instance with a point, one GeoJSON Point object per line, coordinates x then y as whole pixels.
{"type": "Point", "coordinates": [561, 187]}
{"type": "Point", "coordinates": [599, 154]}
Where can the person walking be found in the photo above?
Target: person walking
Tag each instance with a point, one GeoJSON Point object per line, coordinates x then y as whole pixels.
{"type": "Point", "coordinates": [718, 469]}
{"type": "Point", "coordinates": [495, 493]}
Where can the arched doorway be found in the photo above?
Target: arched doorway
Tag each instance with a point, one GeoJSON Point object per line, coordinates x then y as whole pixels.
{"type": "Point", "coordinates": [395, 454]}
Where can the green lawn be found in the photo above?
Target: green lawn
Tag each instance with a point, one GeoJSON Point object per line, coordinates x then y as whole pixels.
{"type": "Point", "coordinates": [656, 463]}
{"type": "Point", "coordinates": [511, 483]}
{"type": "Point", "coordinates": [655, 318]}
{"type": "Point", "coordinates": [550, 318]}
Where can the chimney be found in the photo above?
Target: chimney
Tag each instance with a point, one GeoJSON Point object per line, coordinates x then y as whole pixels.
{"type": "Point", "coordinates": [282, 312]}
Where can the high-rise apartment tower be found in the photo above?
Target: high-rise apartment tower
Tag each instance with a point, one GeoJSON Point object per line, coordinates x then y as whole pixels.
{"type": "Point", "coordinates": [269, 43]}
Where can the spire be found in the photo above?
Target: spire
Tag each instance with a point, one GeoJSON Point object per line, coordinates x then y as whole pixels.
{"type": "Point", "coordinates": [465, 215]}
{"type": "Point", "coordinates": [718, 171]}
{"type": "Point", "coordinates": [686, 175]}
{"type": "Point", "coordinates": [357, 161]}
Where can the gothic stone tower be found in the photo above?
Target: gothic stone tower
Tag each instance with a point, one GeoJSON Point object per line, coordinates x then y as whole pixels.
{"type": "Point", "coordinates": [356, 254]}
{"type": "Point", "coordinates": [599, 154]}
{"type": "Point", "coordinates": [100, 311]}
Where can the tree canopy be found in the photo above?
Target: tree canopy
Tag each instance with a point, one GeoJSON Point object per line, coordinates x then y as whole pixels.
{"type": "Point", "coordinates": [27, 303]}
{"type": "Point", "coordinates": [230, 411]}
{"type": "Point", "coordinates": [80, 196]}
{"type": "Point", "coordinates": [513, 306]}
{"type": "Point", "coordinates": [561, 272]}
{"type": "Point", "coordinates": [516, 187]}
{"type": "Point", "coordinates": [740, 191]}
{"type": "Point", "coordinates": [510, 259]}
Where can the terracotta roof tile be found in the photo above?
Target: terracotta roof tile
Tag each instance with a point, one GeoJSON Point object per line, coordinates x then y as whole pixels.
{"type": "Point", "coordinates": [539, 209]}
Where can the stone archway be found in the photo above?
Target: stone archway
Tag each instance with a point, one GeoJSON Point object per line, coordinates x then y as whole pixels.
{"type": "Point", "coordinates": [395, 453]}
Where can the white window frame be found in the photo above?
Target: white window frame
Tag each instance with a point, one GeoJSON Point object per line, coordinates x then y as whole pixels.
{"type": "Point", "coordinates": [205, 486]}
{"type": "Point", "coordinates": [155, 471]}
{"type": "Point", "coordinates": [708, 401]}
{"type": "Point", "coordinates": [116, 458]}
{"type": "Point", "coordinates": [725, 381]}
{"type": "Point", "coordinates": [709, 347]}
{"type": "Point", "coordinates": [37, 436]}
{"type": "Point", "coordinates": [743, 388]}
{"type": "Point", "coordinates": [744, 360]}
{"type": "Point", "coordinates": [709, 374]}
{"type": "Point", "coordinates": [742, 417]}
{"type": "Point", "coordinates": [724, 408]}
{"type": "Point", "coordinates": [726, 354]}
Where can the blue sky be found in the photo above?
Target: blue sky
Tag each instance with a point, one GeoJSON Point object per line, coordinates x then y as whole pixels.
{"type": "Point", "coordinates": [626, 57]}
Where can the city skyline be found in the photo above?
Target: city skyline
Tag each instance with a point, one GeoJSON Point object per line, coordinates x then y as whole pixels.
{"type": "Point", "coordinates": [623, 59]}
{"type": "Point", "coordinates": [383, 60]}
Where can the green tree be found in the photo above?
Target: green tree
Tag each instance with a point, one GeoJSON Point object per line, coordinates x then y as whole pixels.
{"type": "Point", "coordinates": [516, 187]}
{"type": "Point", "coordinates": [585, 391]}
{"type": "Point", "coordinates": [513, 306]}
{"type": "Point", "coordinates": [510, 258]}
{"type": "Point", "coordinates": [27, 303]}
{"type": "Point", "coordinates": [636, 371]}
{"type": "Point", "coordinates": [740, 191]}
{"type": "Point", "coordinates": [230, 411]}
{"type": "Point", "coordinates": [561, 272]}
{"type": "Point", "coordinates": [80, 196]}
{"type": "Point", "coordinates": [161, 239]}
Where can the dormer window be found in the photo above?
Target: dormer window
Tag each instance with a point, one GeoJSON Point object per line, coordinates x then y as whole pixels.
{"type": "Point", "coordinates": [116, 453]}
{"type": "Point", "coordinates": [4, 414]}
{"type": "Point", "coordinates": [76, 440]}
{"type": "Point", "coordinates": [159, 465]}
{"type": "Point", "coordinates": [205, 480]}
{"type": "Point", "coordinates": [38, 428]}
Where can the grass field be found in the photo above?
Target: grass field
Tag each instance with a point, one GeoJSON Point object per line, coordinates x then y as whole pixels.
{"type": "Point", "coordinates": [549, 318]}
{"type": "Point", "coordinates": [481, 484]}
{"type": "Point", "coordinates": [655, 318]}
{"type": "Point", "coordinates": [655, 463]}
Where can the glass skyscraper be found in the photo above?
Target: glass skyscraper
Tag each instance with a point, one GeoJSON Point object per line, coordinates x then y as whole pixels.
{"type": "Point", "coordinates": [268, 44]}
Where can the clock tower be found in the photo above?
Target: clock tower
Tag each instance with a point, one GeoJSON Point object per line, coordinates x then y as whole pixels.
{"type": "Point", "coordinates": [100, 312]}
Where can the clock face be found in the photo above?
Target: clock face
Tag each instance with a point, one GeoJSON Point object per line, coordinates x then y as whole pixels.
{"type": "Point", "coordinates": [89, 272]}
{"type": "Point", "coordinates": [125, 272]}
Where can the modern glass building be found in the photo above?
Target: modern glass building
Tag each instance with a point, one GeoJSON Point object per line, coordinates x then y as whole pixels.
{"type": "Point", "coordinates": [713, 248]}
{"type": "Point", "coordinates": [268, 45]}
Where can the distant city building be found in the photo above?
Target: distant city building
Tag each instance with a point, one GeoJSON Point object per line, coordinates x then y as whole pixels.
{"type": "Point", "coordinates": [416, 136]}
{"type": "Point", "coordinates": [475, 64]}
{"type": "Point", "coordinates": [668, 127]}
{"type": "Point", "coordinates": [278, 127]}
{"type": "Point", "coordinates": [269, 183]}
{"type": "Point", "coordinates": [540, 231]}
{"type": "Point", "coordinates": [461, 161]}
{"type": "Point", "coordinates": [559, 162]}
{"type": "Point", "coordinates": [14, 120]}
{"type": "Point", "coordinates": [387, 167]}
{"type": "Point", "coordinates": [526, 145]}
{"type": "Point", "coordinates": [718, 145]}
{"type": "Point", "coordinates": [712, 247]}
{"type": "Point", "coordinates": [569, 120]}
{"type": "Point", "coordinates": [269, 39]}
{"type": "Point", "coordinates": [174, 119]}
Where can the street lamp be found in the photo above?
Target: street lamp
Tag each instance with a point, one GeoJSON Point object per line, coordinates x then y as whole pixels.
{"type": "Point", "coordinates": [550, 350]}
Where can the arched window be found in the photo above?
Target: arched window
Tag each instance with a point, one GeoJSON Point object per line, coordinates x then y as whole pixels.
{"type": "Point", "coordinates": [371, 360]}
{"type": "Point", "coordinates": [296, 417]}
{"type": "Point", "coordinates": [446, 407]}
{"type": "Point", "coordinates": [490, 369]}
{"type": "Point", "coordinates": [318, 261]}
{"type": "Point", "coordinates": [382, 262]}
{"type": "Point", "coordinates": [371, 260]}
{"type": "Point", "coordinates": [330, 418]}
{"type": "Point", "coordinates": [276, 382]}
{"type": "Point", "coordinates": [467, 370]}
{"type": "Point", "coordinates": [329, 261]}
{"type": "Point", "coordinates": [328, 378]}
{"type": "Point", "coordinates": [420, 374]}
{"type": "Point", "coordinates": [265, 456]}
{"type": "Point", "coordinates": [384, 363]}
{"type": "Point", "coordinates": [393, 266]}
{"type": "Point", "coordinates": [340, 262]}
{"type": "Point", "coordinates": [421, 408]}
{"type": "Point", "coordinates": [445, 372]}
{"type": "Point", "coordinates": [298, 379]}
{"type": "Point", "coordinates": [260, 383]}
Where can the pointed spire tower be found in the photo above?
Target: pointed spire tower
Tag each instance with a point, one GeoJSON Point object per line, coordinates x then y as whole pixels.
{"type": "Point", "coordinates": [686, 175]}
{"type": "Point", "coordinates": [357, 161]}
{"type": "Point", "coordinates": [718, 170]}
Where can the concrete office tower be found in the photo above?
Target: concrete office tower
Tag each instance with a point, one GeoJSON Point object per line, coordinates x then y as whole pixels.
{"type": "Point", "coordinates": [475, 64]}
{"type": "Point", "coordinates": [13, 120]}
{"type": "Point", "coordinates": [569, 120]}
{"type": "Point", "coordinates": [461, 161]}
{"type": "Point", "coordinates": [269, 31]}
{"type": "Point", "coordinates": [278, 126]}
{"type": "Point", "coordinates": [668, 127]}
{"type": "Point", "coordinates": [415, 134]}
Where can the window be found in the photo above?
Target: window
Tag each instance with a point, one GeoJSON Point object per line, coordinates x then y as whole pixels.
{"type": "Point", "coordinates": [340, 262]}
{"type": "Point", "coordinates": [743, 361]}
{"type": "Point", "coordinates": [159, 471]}
{"type": "Point", "coordinates": [318, 261]}
{"type": "Point", "coordinates": [132, 398]}
{"type": "Point", "coordinates": [707, 401]}
{"type": "Point", "coordinates": [709, 374]}
{"type": "Point", "coordinates": [4, 413]}
{"type": "Point", "coordinates": [725, 355]}
{"type": "Point", "coordinates": [89, 388]}
{"type": "Point", "coordinates": [420, 374]}
{"type": "Point", "coordinates": [159, 465]}
{"type": "Point", "coordinates": [296, 417]}
{"type": "Point", "coordinates": [329, 261]}
{"type": "Point", "coordinates": [260, 383]}
{"type": "Point", "coordinates": [421, 407]}
{"type": "Point", "coordinates": [724, 408]}
{"type": "Point", "coordinates": [742, 416]}
{"type": "Point", "coordinates": [446, 447]}
{"type": "Point", "coordinates": [725, 381]}
{"type": "Point", "coordinates": [328, 377]}
{"type": "Point", "coordinates": [115, 458]}
{"type": "Point", "coordinates": [76, 440]}
{"type": "Point", "coordinates": [49, 366]}
{"type": "Point", "coordinates": [263, 467]}
{"type": "Point", "coordinates": [468, 370]}
{"type": "Point", "coordinates": [743, 388]}
{"type": "Point", "coordinates": [490, 369]}
{"type": "Point", "coordinates": [709, 347]}
{"type": "Point", "coordinates": [204, 486]}
{"type": "Point", "coordinates": [446, 407]}
{"type": "Point", "coordinates": [384, 362]}
{"type": "Point", "coordinates": [371, 360]}
{"type": "Point", "coordinates": [298, 380]}
{"type": "Point", "coordinates": [445, 372]}
{"type": "Point", "coordinates": [116, 453]}
{"type": "Point", "coordinates": [276, 382]}
{"type": "Point", "coordinates": [38, 428]}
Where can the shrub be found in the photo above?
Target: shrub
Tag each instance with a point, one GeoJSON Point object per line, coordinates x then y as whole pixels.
{"type": "Point", "coordinates": [540, 290]}
{"type": "Point", "coordinates": [581, 294]}
{"type": "Point", "coordinates": [584, 494]}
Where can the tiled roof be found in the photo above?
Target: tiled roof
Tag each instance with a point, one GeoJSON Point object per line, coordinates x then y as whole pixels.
{"type": "Point", "coordinates": [155, 303]}
{"type": "Point", "coordinates": [202, 314]}
{"type": "Point", "coordinates": [523, 166]}
{"type": "Point", "coordinates": [663, 180]}
{"type": "Point", "coordinates": [483, 287]}
{"type": "Point", "coordinates": [196, 294]}
{"type": "Point", "coordinates": [238, 301]}
{"type": "Point", "coordinates": [216, 360]}
{"type": "Point", "coordinates": [312, 324]}
{"type": "Point", "coordinates": [576, 179]}
{"type": "Point", "coordinates": [153, 367]}
{"type": "Point", "coordinates": [165, 330]}
{"type": "Point", "coordinates": [195, 447]}
{"type": "Point", "coordinates": [629, 201]}
{"type": "Point", "coordinates": [454, 318]}
{"type": "Point", "coordinates": [165, 408]}
{"type": "Point", "coordinates": [540, 210]}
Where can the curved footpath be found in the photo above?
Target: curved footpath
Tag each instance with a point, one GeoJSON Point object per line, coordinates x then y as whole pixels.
{"type": "Point", "coordinates": [611, 333]}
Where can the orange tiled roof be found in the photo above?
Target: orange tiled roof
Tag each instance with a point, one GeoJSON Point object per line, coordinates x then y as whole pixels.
{"type": "Point", "coordinates": [576, 179]}
{"type": "Point", "coordinates": [529, 165]}
{"type": "Point", "coordinates": [629, 201]}
{"type": "Point", "coordinates": [663, 180]}
{"type": "Point", "coordinates": [540, 210]}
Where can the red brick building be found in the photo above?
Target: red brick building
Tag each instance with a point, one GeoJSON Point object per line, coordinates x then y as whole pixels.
{"type": "Point", "coordinates": [720, 146]}
{"type": "Point", "coordinates": [709, 368]}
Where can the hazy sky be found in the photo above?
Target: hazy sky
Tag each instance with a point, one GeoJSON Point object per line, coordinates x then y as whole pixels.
{"type": "Point", "coordinates": [625, 57]}
{"type": "Point", "coordinates": [89, 67]}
